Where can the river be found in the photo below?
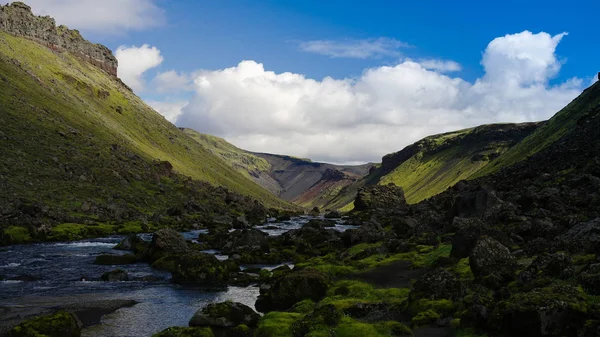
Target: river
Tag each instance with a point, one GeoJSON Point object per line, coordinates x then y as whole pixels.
{"type": "Point", "coordinates": [64, 274]}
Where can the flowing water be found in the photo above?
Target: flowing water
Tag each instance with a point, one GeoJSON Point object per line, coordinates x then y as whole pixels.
{"type": "Point", "coordinates": [64, 273]}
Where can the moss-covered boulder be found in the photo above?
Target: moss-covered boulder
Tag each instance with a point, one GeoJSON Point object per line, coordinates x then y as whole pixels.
{"type": "Point", "coordinates": [369, 232]}
{"type": "Point", "coordinates": [117, 275]}
{"type": "Point", "coordinates": [185, 332]}
{"type": "Point", "coordinates": [491, 262]}
{"type": "Point", "coordinates": [106, 259]}
{"type": "Point", "coordinates": [246, 240]}
{"type": "Point", "coordinates": [59, 324]}
{"type": "Point", "coordinates": [225, 315]}
{"type": "Point", "coordinates": [293, 287]}
{"type": "Point", "coordinates": [199, 268]}
{"type": "Point", "coordinates": [556, 310]}
{"type": "Point", "coordinates": [322, 318]}
{"type": "Point", "coordinates": [166, 241]}
{"type": "Point", "coordinates": [380, 197]}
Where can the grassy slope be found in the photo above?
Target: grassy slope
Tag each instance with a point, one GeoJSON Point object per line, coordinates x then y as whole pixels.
{"type": "Point", "coordinates": [44, 95]}
{"type": "Point", "coordinates": [557, 127]}
{"type": "Point", "coordinates": [436, 163]}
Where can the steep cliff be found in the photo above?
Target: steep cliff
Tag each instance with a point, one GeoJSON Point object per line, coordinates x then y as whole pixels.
{"type": "Point", "coordinates": [18, 19]}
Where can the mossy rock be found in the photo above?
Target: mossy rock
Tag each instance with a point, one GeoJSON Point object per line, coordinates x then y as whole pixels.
{"type": "Point", "coordinates": [59, 324]}
{"type": "Point", "coordinates": [225, 315]}
{"type": "Point", "coordinates": [425, 318]}
{"type": "Point", "coordinates": [14, 235]}
{"type": "Point", "coordinates": [556, 310]}
{"type": "Point", "coordinates": [277, 324]}
{"type": "Point", "coordinates": [185, 332]}
{"type": "Point", "coordinates": [106, 259]}
{"type": "Point", "coordinates": [293, 287]}
{"type": "Point", "coordinates": [199, 268]}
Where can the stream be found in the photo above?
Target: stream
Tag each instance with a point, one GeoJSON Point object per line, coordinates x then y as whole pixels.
{"type": "Point", "coordinates": [63, 273]}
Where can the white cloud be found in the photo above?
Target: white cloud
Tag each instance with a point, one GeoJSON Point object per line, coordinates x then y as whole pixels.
{"type": "Point", "coordinates": [106, 17]}
{"type": "Point", "coordinates": [361, 49]}
{"type": "Point", "coordinates": [443, 66]}
{"type": "Point", "coordinates": [386, 108]}
{"type": "Point", "coordinates": [171, 81]}
{"type": "Point", "coordinates": [171, 110]}
{"type": "Point", "coordinates": [134, 62]}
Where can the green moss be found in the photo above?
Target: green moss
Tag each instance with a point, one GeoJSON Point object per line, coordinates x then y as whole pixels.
{"type": "Point", "coordinates": [347, 293]}
{"type": "Point", "coordinates": [444, 307]}
{"type": "Point", "coordinates": [425, 318]}
{"type": "Point", "coordinates": [72, 232]}
{"type": "Point", "coordinates": [60, 324]}
{"type": "Point", "coordinates": [185, 332]}
{"type": "Point", "coordinates": [469, 333]}
{"type": "Point", "coordinates": [584, 259]}
{"type": "Point", "coordinates": [15, 235]}
{"type": "Point", "coordinates": [277, 324]}
{"type": "Point", "coordinates": [304, 307]}
{"type": "Point", "coordinates": [463, 269]}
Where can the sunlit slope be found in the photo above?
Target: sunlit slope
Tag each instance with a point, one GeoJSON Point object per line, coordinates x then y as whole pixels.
{"type": "Point", "coordinates": [566, 121]}
{"type": "Point", "coordinates": [431, 165]}
{"type": "Point", "coordinates": [61, 114]}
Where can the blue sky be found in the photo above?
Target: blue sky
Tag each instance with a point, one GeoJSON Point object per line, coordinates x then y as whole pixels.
{"type": "Point", "coordinates": [343, 81]}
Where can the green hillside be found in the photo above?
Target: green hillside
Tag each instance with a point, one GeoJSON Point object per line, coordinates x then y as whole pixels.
{"type": "Point", "coordinates": [561, 124]}
{"type": "Point", "coordinates": [73, 134]}
{"type": "Point", "coordinates": [431, 165]}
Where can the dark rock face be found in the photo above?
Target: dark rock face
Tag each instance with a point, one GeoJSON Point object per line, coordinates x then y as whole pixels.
{"type": "Point", "coordinates": [17, 19]}
{"type": "Point", "coordinates": [368, 233]}
{"type": "Point", "coordinates": [60, 324]}
{"type": "Point", "coordinates": [553, 311]}
{"type": "Point", "coordinates": [437, 284]}
{"type": "Point", "coordinates": [117, 275]}
{"type": "Point", "coordinates": [380, 197]}
{"type": "Point", "coordinates": [491, 260]}
{"type": "Point", "coordinates": [291, 288]}
{"type": "Point", "coordinates": [312, 235]}
{"type": "Point", "coordinates": [558, 265]}
{"type": "Point", "coordinates": [583, 237]}
{"type": "Point", "coordinates": [225, 315]}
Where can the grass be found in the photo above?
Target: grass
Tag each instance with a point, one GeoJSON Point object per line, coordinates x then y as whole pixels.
{"type": "Point", "coordinates": [277, 324]}
{"type": "Point", "coordinates": [67, 143]}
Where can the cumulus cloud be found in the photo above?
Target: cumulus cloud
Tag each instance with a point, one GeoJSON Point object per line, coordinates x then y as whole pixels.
{"type": "Point", "coordinates": [171, 110]}
{"type": "Point", "coordinates": [443, 66]}
{"type": "Point", "coordinates": [386, 108]}
{"type": "Point", "coordinates": [134, 62]}
{"type": "Point", "coordinates": [106, 17]}
{"type": "Point", "coordinates": [360, 49]}
{"type": "Point", "coordinates": [172, 81]}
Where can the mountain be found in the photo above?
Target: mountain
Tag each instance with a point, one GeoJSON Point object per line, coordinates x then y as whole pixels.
{"type": "Point", "coordinates": [78, 145]}
{"type": "Point", "coordinates": [301, 181]}
{"type": "Point", "coordinates": [431, 165]}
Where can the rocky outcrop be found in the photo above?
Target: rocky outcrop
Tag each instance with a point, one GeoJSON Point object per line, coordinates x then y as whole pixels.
{"type": "Point", "coordinates": [380, 197]}
{"type": "Point", "coordinates": [18, 19]}
{"type": "Point", "coordinates": [225, 315]}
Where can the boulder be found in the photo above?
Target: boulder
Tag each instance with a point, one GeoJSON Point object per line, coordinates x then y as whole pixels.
{"type": "Point", "coordinates": [246, 240]}
{"type": "Point", "coordinates": [492, 261]}
{"type": "Point", "coordinates": [436, 285]}
{"type": "Point", "coordinates": [106, 259]}
{"type": "Point", "coordinates": [311, 235]}
{"type": "Point", "coordinates": [583, 237]}
{"type": "Point", "coordinates": [590, 281]}
{"type": "Point", "coordinates": [225, 315]}
{"type": "Point", "coordinates": [129, 242]}
{"type": "Point", "coordinates": [117, 275]}
{"type": "Point", "coordinates": [369, 232]}
{"type": "Point", "coordinates": [557, 265]}
{"type": "Point", "coordinates": [556, 310]}
{"type": "Point", "coordinates": [25, 278]}
{"type": "Point", "coordinates": [199, 268]}
{"type": "Point", "coordinates": [380, 197]}
{"type": "Point", "coordinates": [59, 324]}
{"type": "Point", "coordinates": [167, 241]}
{"type": "Point", "coordinates": [293, 287]}
{"type": "Point", "coordinates": [333, 215]}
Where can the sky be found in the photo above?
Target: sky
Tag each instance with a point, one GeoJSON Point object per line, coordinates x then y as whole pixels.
{"type": "Point", "coordinates": [343, 81]}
